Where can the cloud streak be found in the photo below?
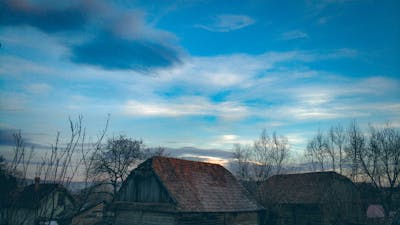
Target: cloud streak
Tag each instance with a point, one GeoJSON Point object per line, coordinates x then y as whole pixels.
{"type": "Point", "coordinates": [38, 88]}
{"type": "Point", "coordinates": [293, 35]}
{"type": "Point", "coordinates": [228, 23]}
{"type": "Point", "coordinates": [187, 106]}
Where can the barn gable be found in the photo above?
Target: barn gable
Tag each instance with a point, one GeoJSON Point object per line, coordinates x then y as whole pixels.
{"type": "Point", "coordinates": [203, 187]}
{"type": "Point", "coordinates": [143, 185]}
{"type": "Point", "coordinates": [172, 191]}
{"type": "Point", "coordinates": [189, 185]}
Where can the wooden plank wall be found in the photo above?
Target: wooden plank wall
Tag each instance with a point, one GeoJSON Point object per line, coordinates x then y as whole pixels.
{"type": "Point", "coordinates": [144, 218]}
{"type": "Point", "coordinates": [160, 218]}
{"type": "Point", "coordinates": [144, 189]}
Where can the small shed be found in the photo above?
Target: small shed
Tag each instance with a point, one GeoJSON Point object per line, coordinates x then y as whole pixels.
{"type": "Point", "coordinates": [39, 203]}
{"type": "Point", "coordinates": [319, 198]}
{"type": "Point", "coordinates": [174, 191]}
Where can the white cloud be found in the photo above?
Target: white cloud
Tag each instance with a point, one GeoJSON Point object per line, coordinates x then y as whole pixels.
{"type": "Point", "coordinates": [37, 42]}
{"type": "Point", "coordinates": [227, 141]}
{"type": "Point", "coordinates": [237, 71]}
{"type": "Point", "coordinates": [229, 137]}
{"type": "Point", "coordinates": [249, 78]}
{"type": "Point", "coordinates": [334, 110]}
{"type": "Point", "coordinates": [378, 85]}
{"type": "Point", "coordinates": [38, 88]}
{"type": "Point", "coordinates": [188, 106]}
{"type": "Point", "coordinates": [12, 101]}
{"type": "Point", "coordinates": [209, 159]}
{"type": "Point", "coordinates": [307, 113]}
{"type": "Point", "coordinates": [320, 5]}
{"type": "Point", "coordinates": [227, 23]}
{"type": "Point", "coordinates": [315, 98]}
{"type": "Point", "coordinates": [296, 139]}
{"type": "Point", "coordinates": [24, 67]}
{"type": "Point", "coordinates": [294, 34]}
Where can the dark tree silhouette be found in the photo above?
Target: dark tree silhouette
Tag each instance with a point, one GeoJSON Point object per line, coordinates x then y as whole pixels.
{"type": "Point", "coordinates": [115, 160]}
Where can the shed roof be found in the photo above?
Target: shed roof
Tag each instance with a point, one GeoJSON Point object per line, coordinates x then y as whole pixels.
{"type": "Point", "coordinates": [303, 188]}
{"type": "Point", "coordinates": [201, 187]}
{"type": "Point", "coordinates": [29, 197]}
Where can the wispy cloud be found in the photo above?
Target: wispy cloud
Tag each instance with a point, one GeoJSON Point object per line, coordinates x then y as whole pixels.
{"type": "Point", "coordinates": [227, 23]}
{"type": "Point", "coordinates": [294, 34]}
{"type": "Point", "coordinates": [263, 91]}
{"type": "Point", "coordinates": [198, 152]}
{"type": "Point", "coordinates": [187, 106]}
{"type": "Point", "coordinates": [229, 137]}
{"type": "Point", "coordinates": [322, 4]}
{"type": "Point", "coordinates": [229, 140]}
{"type": "Point", "coordinates": [38, 88]}
{"type": "Point", "coordinates": [12, 101]}
{"type": "Point", "coordinates": [319, 10]}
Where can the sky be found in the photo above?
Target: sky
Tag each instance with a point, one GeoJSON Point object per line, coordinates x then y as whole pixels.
{"type": "Point", "coordinates": [197, 76]}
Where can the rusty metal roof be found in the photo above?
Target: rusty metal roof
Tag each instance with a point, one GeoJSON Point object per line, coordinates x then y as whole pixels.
{"type": "Point", "coordinates": [202, 187]}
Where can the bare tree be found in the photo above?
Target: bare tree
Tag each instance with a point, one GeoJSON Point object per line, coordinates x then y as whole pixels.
{"type": "Point", "coordinates": [317, 149]}
{"type": "Point", "coordinates": [241, 155]}
{"type": "Point", "coordinates": [356, 143]}
{"type": "Point", "coordinates": [270, 153]}
{"type": "Point", "coordinates": [379, 161]}
{"type": "Point", "coordinates": [337, 138]}
{"type": "Point", "coordinates": [373, 156]}
{"type": "Point", "coordinates": [331, 151]}
{"type": "Point", "coordinates": [155, 151]}
{"type": "Point", "coordinates": [59, 166]}
{"type": "Point", "coordinates": [22, 157]}
{"type": "Point", "coordinates": [279, 152]}
{"type": "Point", "coordinates": [265, 158]}
{"type": "Point", "coordinates": [88, 151]}
{"type": "Point", "coordinates": [263, 165]}
{"type": "Point", "coordinates": [114, 161]}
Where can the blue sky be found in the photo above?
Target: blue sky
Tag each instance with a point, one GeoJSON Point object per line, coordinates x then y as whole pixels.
{"type": "Point", "coordinates": [199, 74]}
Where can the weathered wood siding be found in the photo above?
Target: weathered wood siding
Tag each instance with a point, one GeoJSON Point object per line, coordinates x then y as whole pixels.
{"type": "Point", "coordinates": [201, 219]}
{"type": "Point", "coordinates": [244, 218]}
{"type": "Point", "coordinates": [155, 214]}
{"type": "Point", "coordinates": [143, 189]}
{"type": "Point", "coordinates": [299, 214]}
{"type": "Point", "coordinates": [250, 218]}
{"type": "Point", "coordinates": [144, 218]}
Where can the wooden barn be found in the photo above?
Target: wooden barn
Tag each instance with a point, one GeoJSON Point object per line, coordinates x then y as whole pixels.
{"type": "Point", "coordinates": [320, 198]}
{"type": "Point", "coordinates": [164, 191]}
